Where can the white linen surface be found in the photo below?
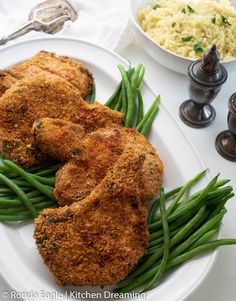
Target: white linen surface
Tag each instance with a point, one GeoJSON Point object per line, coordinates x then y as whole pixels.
{"type": "Point", "coordinates": [103, 22]}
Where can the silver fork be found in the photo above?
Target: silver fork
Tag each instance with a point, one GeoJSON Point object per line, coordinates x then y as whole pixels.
{"type": "Point", "coordinates": [48, 16]}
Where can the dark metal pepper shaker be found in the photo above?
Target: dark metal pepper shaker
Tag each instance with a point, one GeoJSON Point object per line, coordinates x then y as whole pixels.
{"type": "Point", "coordinates": [226, 140]}
{"type": "Point", "coordinates": [206, 76]}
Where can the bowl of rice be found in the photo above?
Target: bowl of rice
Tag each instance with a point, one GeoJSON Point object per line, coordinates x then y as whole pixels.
{"type": "Point", "coordinates": [176, 32]}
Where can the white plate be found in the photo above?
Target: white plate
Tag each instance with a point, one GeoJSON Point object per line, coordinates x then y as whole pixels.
{"type": "Point", "coordinates": [20, 263]}
{"type": "Point", "coordinates": [157, 52]}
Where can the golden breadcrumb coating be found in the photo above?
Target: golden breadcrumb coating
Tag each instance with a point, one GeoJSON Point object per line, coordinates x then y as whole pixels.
{"type": "Point", "coordinates": [44, 96]}
{"type": "Point", "coordinates": [99, 240]}
{"type": "Point", "coordinates": [90, 156]}
{"type": "Point", "coordinates": [48, 63]}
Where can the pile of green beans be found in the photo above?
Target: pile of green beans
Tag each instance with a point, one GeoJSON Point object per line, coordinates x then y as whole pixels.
{"type": "Point", "coordinates": [127, 98]}
{"type": "Point", "coordinates": [24, 193]}
{"type": "Point", "coordinates": [184, 230]}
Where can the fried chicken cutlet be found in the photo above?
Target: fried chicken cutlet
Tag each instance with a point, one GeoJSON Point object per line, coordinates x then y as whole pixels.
{"type": "Point", "coordinates": [44, 96]}
{"type": "Point", "coordinates": [99, 240]}
{"type": "Point", "coordinates": [48, 63]}
{"type": "Point", "coordinates": [89, 156]}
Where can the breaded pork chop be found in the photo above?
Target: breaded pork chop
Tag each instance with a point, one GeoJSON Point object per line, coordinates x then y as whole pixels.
{"type": "Point", "coordinates": [44, 96]}
{"type": "Point", "coordinates": [100, 239]}
{"type": "Point", "coordinates": [90, 156]}
{"type": "Point", "coordinates": [49, 63]}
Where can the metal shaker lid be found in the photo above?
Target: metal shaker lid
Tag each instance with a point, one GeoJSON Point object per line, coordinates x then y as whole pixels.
{"type": "Point", "coordinates": [208, 71]}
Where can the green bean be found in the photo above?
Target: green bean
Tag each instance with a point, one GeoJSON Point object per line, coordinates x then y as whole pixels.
{"type": "Point", "coordinates": [130, 98]}
{"type": "Point", "coordinates": [210, 195]}
{"type": "Point", "coordinates": [8, 190]}
{"type": "Point", "coordinates": [47, 181]}
{"type": "Point", "coordinates": [155, 204]}
{"type": "Point", "coordinates": [124, 100]}
{"type": "Point", "coordinates": [166, 243]}
{"type": "Point", "coordinates": [183, 190]}
{"type": "Point", "coordinates": [214, 196]}
{"type": "Point", "coordinates": [93, 93]}
{"type": "Point", "coordinates": [48, 172]}
{"type": "Point", "coordinates": [154, 228]}
{"type": "Point", "coordinates": [140, 108]}
{"type": "Point", "coordinates": [202, 220]}
{"type": "Point", "coordinates": [114, 96]}
{"type": "Point", "coordinates": [189, 205]}
{"type": "Point", "coordinates": [153, 249]}
{"type": "Point", "coordinates": [221, 205]}
{"type": "Point", "coordinates": [155, 242]}
{"type": "Point", "coordinates": [187, 228]}
{"type": "Point", "coordinates": [141, 76]}
{"type": "Point", "coordinates": [197, 234]}
{"type": "Point", "coordinates": [33, 194]}
{"type": "Point", "coordinates": [40, 167]}
{"type": "Point", "coordinates": [50, 181]}
{"type": "Point", "coordinates": [7, 211]}
{"type": "Point", "coordinates": [159, 240]}
{"type": "Point", "coordinates": [148, 123]}
{"type": "Point", "coordinates": [16, 217]}
{"type": "Point", "coordinates": [134, 80]}
{"type": "Point", "coordinates": [205, 238]}
{"type": "Point", "coordinates": [216, 192]}
{"type": "Point", "coordinates": [17, 202]}
{"type": "Point", "coordinates": [176, 239]}
{"type": "Point", "coordinates": [173, 225]}
{"type": "Point", "coordinates": [208, 220]}
{"type": "Point", "coordinates": [43, 188]}
{"type": "Point", "coordinates": [142, 279]}
{"type": "Point", "coordinates": [145, 117]}
{"type": "Point", "coordinates": [222, 183]}
{"type": "Point", "coordinates": [212, 203]}
{"type": "Point", "coordinates": [4, 169]}
{"type": "Point", "coordinates": [46, 204]}
{"type": "Point", "coordinates": [118, 105]}
{"type": "Point", "coordinates": [8, 196]}
{"type": "Point", "coordinates": [219, 192]}
{"type": "Point", "coordinates": [18, 191]}
{"type": "Point", "coordinates": [9, 174]}
{"type": "Point", "coordinates": [22, 183]}
{"type": "Point", "coordinates": [112, 106]}
{"type": "Point", "coordinates": [196, 251]}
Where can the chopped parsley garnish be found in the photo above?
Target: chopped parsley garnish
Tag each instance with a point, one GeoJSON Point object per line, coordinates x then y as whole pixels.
{"type": "Point", "coordinates": [213, 20]}
{"type": "Point", "coordinates": [186, 38]}
{"type": "Point", "coordinates": [156, 6]}
{"type": "Point", "coordinates": [225, 20]}
{"type": "Point", "coordinates": [198, 47]}
{"type": "Point", "coordinates": [190, 9]}
{"type": "Point", "coordinates": [173, 24]}
{"type": "Point", "coordinates": [183, 11]}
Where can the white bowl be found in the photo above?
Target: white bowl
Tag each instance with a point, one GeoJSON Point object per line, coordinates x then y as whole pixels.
{"type": "Point", "coordinates": [161, 55]}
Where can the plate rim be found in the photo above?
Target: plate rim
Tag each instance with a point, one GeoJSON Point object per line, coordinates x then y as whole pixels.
{"type": "Point", "coordinates": [214, 254]}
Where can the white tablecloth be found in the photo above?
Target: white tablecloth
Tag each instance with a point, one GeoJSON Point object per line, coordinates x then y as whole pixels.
{"type": "Point", "coordinates": [105, 22]}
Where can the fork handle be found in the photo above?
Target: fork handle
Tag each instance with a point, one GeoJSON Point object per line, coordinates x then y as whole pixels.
{"type": "Point", "coordinates": [31, 25]}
